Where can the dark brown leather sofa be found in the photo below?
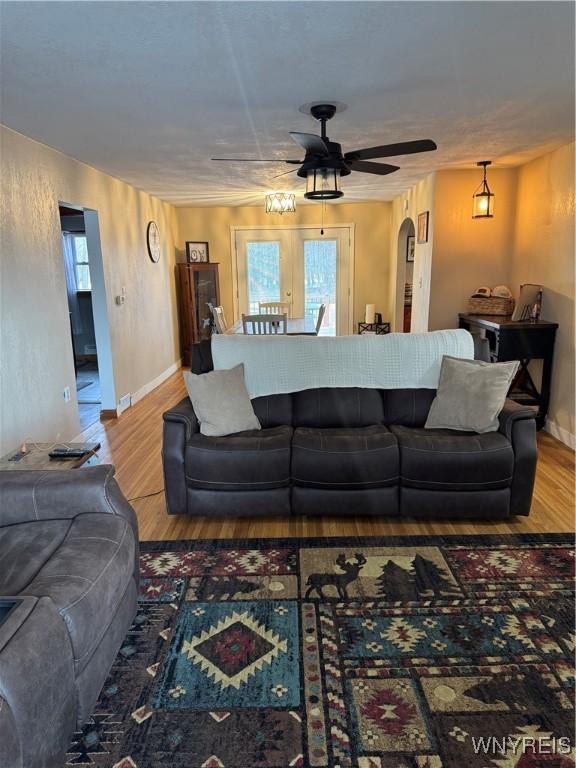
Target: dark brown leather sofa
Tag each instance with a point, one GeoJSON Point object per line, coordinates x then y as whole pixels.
{"type": "Point", "coordinates": [68, 591]}
{"type": "Point", "coordinates": [350, 452]}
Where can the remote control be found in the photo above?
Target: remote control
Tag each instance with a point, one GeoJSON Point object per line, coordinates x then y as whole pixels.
{"type": "Point", "coordinates": [67, 453]}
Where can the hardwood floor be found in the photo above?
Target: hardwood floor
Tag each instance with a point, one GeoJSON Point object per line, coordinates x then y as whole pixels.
{"type": "Point", "coordinates": [133, 444]}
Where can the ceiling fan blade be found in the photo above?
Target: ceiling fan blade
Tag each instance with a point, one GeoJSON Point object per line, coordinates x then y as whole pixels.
{"type": "Point", "coordinates": [391, 150]}
{"type": "Point", "coordinates": [380, 169]}
{"type": "Point", "coordinates": [254, 160]}
{"type": "Point", "coordinates": [294, 170]}
{"type": "Point", "coordinates": [313, 144]}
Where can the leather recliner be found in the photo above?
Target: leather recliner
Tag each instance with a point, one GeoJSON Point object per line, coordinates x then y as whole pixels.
{"type": "Point", "coordinates": [69, 568]}
{"type": "Point", "coordinates": [351, 452]}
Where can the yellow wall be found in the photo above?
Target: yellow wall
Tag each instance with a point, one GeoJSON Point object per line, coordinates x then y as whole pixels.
{"type": "Point", "coordinates": [373, 268]}
{"type": "Point", "coordinates": [467, 252]}
{"type": "Point", "coordinates": [543, 253]}
{"type": "Point", "coordinates": [36, 353]}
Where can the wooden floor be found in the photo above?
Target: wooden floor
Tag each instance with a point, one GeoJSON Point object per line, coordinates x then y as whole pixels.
{"type": "Point", "coordinates": [133, 444]}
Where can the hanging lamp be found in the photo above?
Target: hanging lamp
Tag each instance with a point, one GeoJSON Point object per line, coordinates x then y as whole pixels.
{"type": "Point", "coordinates": [483, 198]}
{"type": "Point", "coordinates": [280, 202]}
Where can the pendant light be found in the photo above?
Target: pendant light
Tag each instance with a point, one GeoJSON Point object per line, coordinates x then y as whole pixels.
{"type": "Point", "coordinates": [280, 202]}
{"type": "Point", "coordinates": [483, 198]}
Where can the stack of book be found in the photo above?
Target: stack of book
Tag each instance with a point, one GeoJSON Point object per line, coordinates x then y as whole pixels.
{"type": "Point", "coordinates": [408, 294]}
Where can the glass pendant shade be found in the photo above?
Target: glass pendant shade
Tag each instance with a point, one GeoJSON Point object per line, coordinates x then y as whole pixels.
{"type": "Point", "coordinates": [280, 202]}
{"type": "Point", "coordinates": [483, 198]}
{"type": "Point", "coordinates": [323, 184]}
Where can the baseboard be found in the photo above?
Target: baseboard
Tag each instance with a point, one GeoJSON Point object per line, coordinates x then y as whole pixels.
{"type": "Point", "coordinates": [147, 388]}
{"type": "Point", "coordinates": [561, 434]}
{"type": "Point", "coordinates": [105, 415]}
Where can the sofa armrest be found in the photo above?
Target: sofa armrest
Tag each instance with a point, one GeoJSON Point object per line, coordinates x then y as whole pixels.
{"type": "Point", "coordinates": [180, 423]}
{"type": "Point", "coordinates": [31, 495]}
{"type": "Point", "coordinates": [183, 413]}
{"type": "Point", "coordinates": [518, 424]}
{"type": "Point", "coordinates": [513, 412]}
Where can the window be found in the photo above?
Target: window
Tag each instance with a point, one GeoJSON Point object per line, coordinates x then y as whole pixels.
{"type": "Point", "coordinates": [81, 266]}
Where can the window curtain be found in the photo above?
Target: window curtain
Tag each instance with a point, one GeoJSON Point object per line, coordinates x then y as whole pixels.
{"type": "Point", "coordinates": [71, 288]}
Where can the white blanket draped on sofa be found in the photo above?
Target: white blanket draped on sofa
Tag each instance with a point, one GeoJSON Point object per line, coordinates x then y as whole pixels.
{"type": "Point", "coordinates": [277, 364]}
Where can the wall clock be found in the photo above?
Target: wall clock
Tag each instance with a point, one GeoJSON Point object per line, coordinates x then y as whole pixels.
{"type": "Point", "coordinates": [153, 241]}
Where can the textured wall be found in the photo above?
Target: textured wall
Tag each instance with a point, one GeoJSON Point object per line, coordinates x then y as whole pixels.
{"type": "Point", "coordinates": [543, 253]}
{"type": "Point", "coordinates": [372, 242]}
{"type": "Point", "coordinates": [469, 252]}
{"type": "Point", "coordinates": [36, 356]}
{"type": "Point", "coordinates": [417, 199]}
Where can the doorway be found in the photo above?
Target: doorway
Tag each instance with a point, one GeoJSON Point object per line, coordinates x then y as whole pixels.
{"type": "Point", "coordinates": [300, 266]}
{"type": "Point", "coordinates": [405, 276]}
{"type": "Point", "coordinates": [87, 311]}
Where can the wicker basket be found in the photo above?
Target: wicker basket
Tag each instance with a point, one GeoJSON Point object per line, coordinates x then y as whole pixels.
{"type": "Point", "coordinates": [490, 305]}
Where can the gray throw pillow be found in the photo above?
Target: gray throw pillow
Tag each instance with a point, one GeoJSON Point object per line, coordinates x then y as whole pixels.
{"type": "Point", "coordinates": [221, 402]}
{"type": "Point", "coordinates": [471, 394]}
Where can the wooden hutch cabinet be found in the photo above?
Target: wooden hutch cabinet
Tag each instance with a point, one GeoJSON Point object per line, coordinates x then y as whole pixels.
{"type": "Point", "coordinates": [197, 287]}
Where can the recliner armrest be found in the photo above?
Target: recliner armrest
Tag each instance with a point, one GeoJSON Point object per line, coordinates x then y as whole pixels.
{"type": "Point", "coordinates": [57, 494]}
{"type": "Point", "coordinates": [183, 413]}
{"type": "Point", "coordinates": [513, 412]}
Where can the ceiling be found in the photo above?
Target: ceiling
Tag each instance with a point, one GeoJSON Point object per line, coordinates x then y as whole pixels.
{"type": "Point", "coordinates": [149, 92]}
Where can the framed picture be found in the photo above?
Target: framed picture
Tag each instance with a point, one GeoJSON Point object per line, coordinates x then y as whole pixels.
{"type": "Point", "coordinates": [410, 246]}
{"type": "Point", "coordinates": [423, 226]}
{"type": "Point", "coordinates": [196, 252]}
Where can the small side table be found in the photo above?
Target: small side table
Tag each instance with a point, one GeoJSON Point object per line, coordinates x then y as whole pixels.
{"type": "Point", "coordinates": [378, 328]}
{"type": "Point", "coordinates": [37, 457]}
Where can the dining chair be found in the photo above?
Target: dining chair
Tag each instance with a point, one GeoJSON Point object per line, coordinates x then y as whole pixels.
{"type": "Point", "coordinates": [320, 318]}
{"type": "Point", "coordinates": [274, 307]}
{"type": "Point", "coordinates": [265, 324]}
{"type": "Point", "coordinates": [220, 323]}
{"type": "Point", "coordinates": [316, 331]}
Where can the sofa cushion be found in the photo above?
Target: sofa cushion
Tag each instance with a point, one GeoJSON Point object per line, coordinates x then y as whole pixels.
{"type": "Point", "coordinates": [339, 407]}
{"type": "Point", "coordinates": [273, 410]}
{"type": "Point", "coordinates": [86, 577]}
{"type": "Point", "coordinates": [248, 461]}
{"type": "Point", "coordinates": [471, 394]}
{"type": "Point", "coordinates": [408, 407]}
{"type": "Point", "coordinates": [221, 402]}
{"type": "Point", "coordinates": [361, 457]}
{"type": "Point", "coordinates": [442, 459]}
{"type": "Point", "coordinates": [25, 548]}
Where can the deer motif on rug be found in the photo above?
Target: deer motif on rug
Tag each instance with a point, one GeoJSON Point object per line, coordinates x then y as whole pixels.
{"type": "Point", "coordinates": [317, 581]}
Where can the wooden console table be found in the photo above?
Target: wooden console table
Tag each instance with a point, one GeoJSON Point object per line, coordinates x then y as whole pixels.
{"type": "Point", "coordinates": [378, 328]}
{"type": "Point", "coordinates": [37, 457]}
{"type": "Point", "coordinates": [524, 341]}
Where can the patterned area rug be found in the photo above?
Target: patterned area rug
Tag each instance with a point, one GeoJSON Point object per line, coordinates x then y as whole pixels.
{"type": "Point", "coordinates": [419, 652]}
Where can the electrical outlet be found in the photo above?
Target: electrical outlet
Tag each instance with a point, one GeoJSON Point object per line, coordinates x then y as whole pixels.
{"type": "Point", "coordinates": [124, 402]}
{"type": "Point", "coordinates": [67, 394]}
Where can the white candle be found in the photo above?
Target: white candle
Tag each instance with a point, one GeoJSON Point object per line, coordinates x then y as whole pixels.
{"type": "Point", "coordinates": [370, 311]}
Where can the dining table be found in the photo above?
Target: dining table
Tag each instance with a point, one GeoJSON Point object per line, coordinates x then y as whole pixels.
{"type": "Point", "coordinates": [294, 326]}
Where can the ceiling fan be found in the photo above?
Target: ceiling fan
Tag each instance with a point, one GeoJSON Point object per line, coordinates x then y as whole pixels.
{"type": "Point", "coordinates": [324, 162]}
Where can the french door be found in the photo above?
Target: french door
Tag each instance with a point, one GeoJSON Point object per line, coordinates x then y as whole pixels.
{"type": "Point", "coordinates": [300, 267]}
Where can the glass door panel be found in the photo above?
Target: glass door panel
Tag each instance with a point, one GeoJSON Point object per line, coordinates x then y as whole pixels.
{"type": "Point", "coordinates": [206, 293]}
{"type": "Point", "coordinates": [320, 264]}
{"type": "Point", "coordinates": [263, 273]}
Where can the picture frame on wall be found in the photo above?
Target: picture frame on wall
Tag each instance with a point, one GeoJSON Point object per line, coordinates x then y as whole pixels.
{"type": "Point", "coordinates": [423, 226]}
{"type": "Point", "coordinates": [197, 252]}
{"type": "Point", "coordinates": [410, 247]}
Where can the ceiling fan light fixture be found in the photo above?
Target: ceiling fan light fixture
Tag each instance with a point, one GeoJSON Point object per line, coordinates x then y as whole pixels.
{"type": "Point", "coordinates": [280, 202]}
{"type": "Point", "coordinates": [483, 198]}
{"type": "Point", "coordinates": [323, 184]}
